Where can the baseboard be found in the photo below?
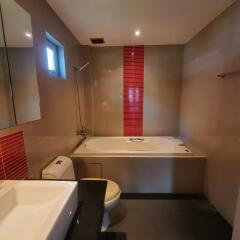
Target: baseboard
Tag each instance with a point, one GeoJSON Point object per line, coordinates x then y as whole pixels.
{"type": "Point", "coordinates": [163, 196]}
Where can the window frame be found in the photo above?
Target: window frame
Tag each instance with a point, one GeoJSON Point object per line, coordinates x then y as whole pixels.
{"type": "Point", "coordinates": [59, 57]}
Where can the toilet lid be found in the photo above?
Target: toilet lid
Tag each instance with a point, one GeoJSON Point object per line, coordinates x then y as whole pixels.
{"type": "Point", "coordinates": [112, 190]}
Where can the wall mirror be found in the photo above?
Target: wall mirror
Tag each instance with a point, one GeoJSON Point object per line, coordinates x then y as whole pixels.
{"type": "Point", "coordinates": [7, 118]}
{"type": "Point", "coordinates": [18, 34]}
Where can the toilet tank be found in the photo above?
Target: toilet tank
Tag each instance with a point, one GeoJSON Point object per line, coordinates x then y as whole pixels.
{"type": "Point", "coordinates": [60, 168]}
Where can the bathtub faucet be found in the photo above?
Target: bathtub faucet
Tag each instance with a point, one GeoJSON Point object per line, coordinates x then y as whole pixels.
{"type": "Point", "coordinates": [84, 132]}
{"type": "Point", "coordinates": [135, 140]}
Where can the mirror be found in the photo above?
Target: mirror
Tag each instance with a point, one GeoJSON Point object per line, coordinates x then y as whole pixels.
{"type": "Point", "coordinates": [7, 118]}
{"type": "Point", "coordinates": [22, 63]}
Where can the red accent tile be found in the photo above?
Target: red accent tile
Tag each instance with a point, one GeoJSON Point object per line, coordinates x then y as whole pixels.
{"type": "Point", "coordinates": [2, 171]}
{"type": "Point", "coordinates": [133, 74]}
{"type": "Point", "coordinates": [13, 162]}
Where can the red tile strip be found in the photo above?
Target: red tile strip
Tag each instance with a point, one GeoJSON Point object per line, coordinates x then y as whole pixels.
{"type": "Point", "coordinates": [13, 162]}
{"type": "Point", "coordinates": [133, 74]}
{"type": "Point", "coordinates": [2, 171]}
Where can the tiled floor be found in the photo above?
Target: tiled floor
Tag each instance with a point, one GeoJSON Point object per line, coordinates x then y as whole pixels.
{"type": "Point", "coordinates": [168, 220]}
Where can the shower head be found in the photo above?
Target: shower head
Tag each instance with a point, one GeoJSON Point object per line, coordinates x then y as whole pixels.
{"type": "Point", "coordinates": [78, 69]}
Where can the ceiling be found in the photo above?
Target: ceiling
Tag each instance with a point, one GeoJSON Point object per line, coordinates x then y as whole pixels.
{"type": "Point", "coordinates": [160, 21]}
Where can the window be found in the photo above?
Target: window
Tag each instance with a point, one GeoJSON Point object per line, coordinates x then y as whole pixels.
{"type": "Point", "coordinates": [55, 57]}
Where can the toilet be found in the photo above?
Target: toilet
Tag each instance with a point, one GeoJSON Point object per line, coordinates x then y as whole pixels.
{"type": "Point", "coordinates": [112, 197]}
{"type": "Point", "coordinates": [62, 168]}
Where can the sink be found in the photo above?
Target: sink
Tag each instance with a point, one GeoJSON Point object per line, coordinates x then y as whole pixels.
{"type": "Point", "coordinates": [36, 210]}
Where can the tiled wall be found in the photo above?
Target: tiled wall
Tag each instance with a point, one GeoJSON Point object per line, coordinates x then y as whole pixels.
{"type": "Point", "coordinates": [161, 93]}
{"type": "Point", "coordinates": [133, 85]}
{"type": "Point", "coordinates": [55, 133]}
{"type": "Point", "coordinates": [210, 112]}
{"type": "Point", "coordinates": [2, 174]}
{"type": "Point", "coordinates": [13, 162]}
{"type": "Point", "coordinates": [107, 89]}
{"type": "Point", "coordinates": [162, 89]}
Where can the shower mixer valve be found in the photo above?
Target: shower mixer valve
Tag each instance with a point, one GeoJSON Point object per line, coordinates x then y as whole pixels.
{"type": "Point", "coordinates": [83, 132]}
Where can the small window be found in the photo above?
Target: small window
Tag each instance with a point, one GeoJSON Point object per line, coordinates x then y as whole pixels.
{"type": "Point", "coordinates": [55, 57]}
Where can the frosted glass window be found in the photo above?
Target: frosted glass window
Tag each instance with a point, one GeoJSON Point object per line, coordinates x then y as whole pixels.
{"type": "Point", "coordinates": [50, 58]}
{"type": "Point", "coordinates": [55, 57]}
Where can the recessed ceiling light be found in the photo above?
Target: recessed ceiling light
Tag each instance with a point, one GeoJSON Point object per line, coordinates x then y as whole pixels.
{"type": "Point", "coordinates": [137, 33]}
{"type": "Point", "coordinates": [29, 35]}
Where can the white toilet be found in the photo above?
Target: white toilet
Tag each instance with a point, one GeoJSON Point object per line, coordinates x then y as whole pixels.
{"type": "Point", "coordinates": [62, 168]}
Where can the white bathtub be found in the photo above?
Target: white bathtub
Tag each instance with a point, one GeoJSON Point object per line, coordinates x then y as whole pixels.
{"type": "Point", "coordinates": [134, 146]}
{"type": "Point", "coordinates": [145, 165]}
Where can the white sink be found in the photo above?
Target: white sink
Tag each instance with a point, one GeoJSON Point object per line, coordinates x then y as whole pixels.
{"type": "Point", "coordinates": [36, 210]}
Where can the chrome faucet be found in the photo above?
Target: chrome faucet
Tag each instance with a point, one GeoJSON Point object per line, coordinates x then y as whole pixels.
{"type": "Point", "coordinates": [136, 140]}
{"type": "Point", "coordinates": [84, 132]}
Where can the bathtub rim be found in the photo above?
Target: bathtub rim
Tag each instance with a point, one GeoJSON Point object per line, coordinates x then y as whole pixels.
{"type": "Point", "coordinates": [117, 155]}
{"type": "Point", "coordinates": [134, 155]}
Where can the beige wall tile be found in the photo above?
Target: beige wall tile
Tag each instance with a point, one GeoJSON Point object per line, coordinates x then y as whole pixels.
{"type": "Point", "coordinates": [108, 90]}
{"type": "Point", "coordinates": [162, 89]}
{"type": "Point", "coordinates": [210, 112]}
{"type": "Point", "coordinates": [151, 175]}
{"type": "Point", "coordinates": [42, 150]}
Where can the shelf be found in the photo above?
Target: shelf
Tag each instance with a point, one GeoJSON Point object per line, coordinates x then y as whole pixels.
{"type": "Point", "coordinates": [223, 75]}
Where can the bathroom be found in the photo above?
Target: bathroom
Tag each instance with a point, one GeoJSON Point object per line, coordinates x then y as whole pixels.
{"type": "Point", "coordinates": [120, 120]}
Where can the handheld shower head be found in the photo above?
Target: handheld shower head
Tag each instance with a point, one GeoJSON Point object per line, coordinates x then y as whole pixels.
{"type": "Point", "coordinates": [78, 69]}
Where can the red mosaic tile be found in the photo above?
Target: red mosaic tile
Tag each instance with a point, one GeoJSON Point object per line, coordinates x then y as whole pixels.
{"type": "Point", "coordinates": [133, 74]}
{"type": "Point", "coordinates": [13, 162]}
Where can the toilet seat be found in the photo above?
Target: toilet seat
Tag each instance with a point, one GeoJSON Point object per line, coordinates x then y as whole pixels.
{"type": "Point", "coordinates": [112, 190]}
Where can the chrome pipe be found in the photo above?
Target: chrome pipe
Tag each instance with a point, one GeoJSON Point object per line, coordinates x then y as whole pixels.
{"type": "Point", "coordinates": [78, 69]}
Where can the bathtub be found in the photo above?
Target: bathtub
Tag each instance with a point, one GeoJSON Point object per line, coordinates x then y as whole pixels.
{"type": "Point", "coordinates": [132, 146]}
{"type": "Point", "coordinates": [141, 164]}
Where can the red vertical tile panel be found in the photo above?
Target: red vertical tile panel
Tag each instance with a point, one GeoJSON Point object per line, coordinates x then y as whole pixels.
{"type": "Point", "coordinates": [2, 171]}
{"type": "Point", "coordinates": [133, 74]}
{"type": "Point", "coordinates": [13, 156]}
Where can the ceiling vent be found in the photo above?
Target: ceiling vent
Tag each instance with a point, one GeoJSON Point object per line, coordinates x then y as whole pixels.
{"type": "Point", "coordinates": [97, 40]}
